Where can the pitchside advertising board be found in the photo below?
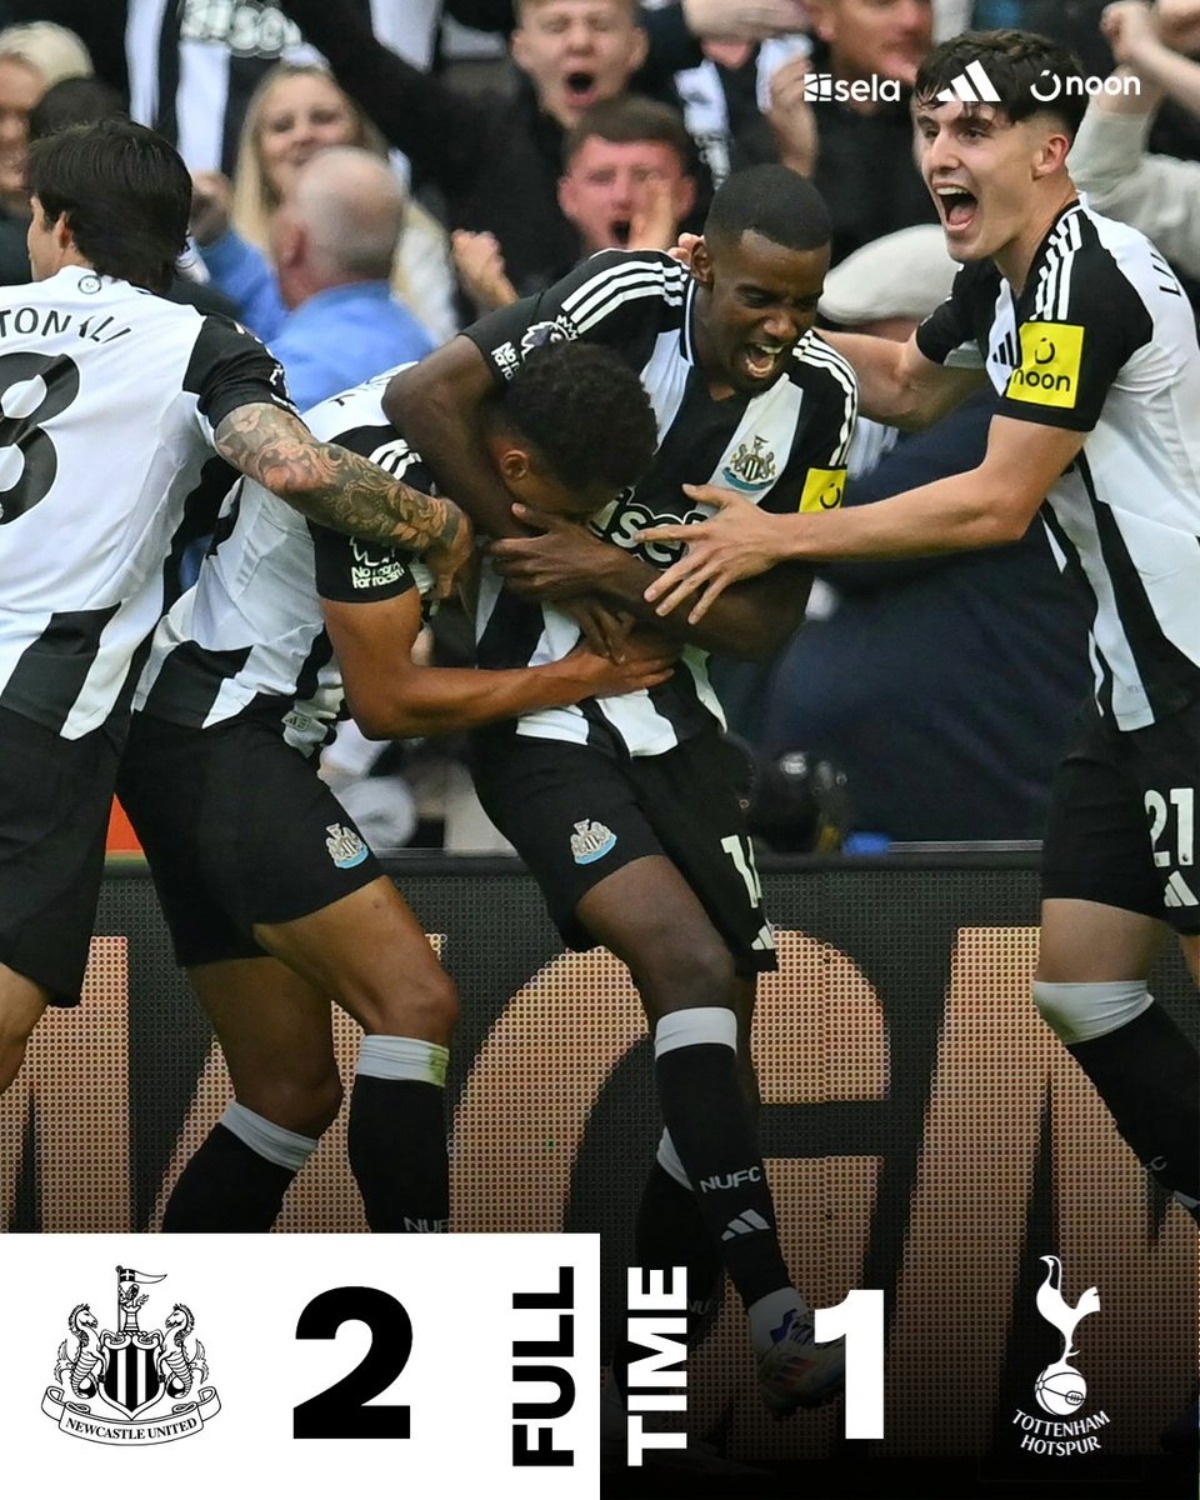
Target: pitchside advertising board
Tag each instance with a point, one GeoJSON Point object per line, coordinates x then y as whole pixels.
{"type": "Point", "coordinates": [1019, 1306]}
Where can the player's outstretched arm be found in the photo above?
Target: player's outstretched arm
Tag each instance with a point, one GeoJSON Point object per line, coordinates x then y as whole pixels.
{"type": "Point", "coordinates": [985, 507]}
{"type": "Point", "coordinates": [342, 490]}
{"type": "Point", "coordinates": [565, 561]}
{"type": "Point", "coordinates": [436, 405]}
{"type": "Point", "coordinates": [897, 384]}
{"type": "Point", "coordinates": [393, 698]}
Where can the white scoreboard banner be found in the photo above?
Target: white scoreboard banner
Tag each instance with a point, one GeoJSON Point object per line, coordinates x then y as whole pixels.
{"type": "Point", "coordinates": [297, 1364]}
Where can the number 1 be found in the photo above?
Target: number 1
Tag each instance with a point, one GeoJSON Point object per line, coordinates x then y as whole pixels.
{"type": "Point", "coordinates": [859, 1318]}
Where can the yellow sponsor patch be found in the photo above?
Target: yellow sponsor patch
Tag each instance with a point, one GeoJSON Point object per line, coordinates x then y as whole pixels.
{"type": "Point", "coordinates": [823, 489]}
{"type": "Point", "coordinates": [1051, 355]}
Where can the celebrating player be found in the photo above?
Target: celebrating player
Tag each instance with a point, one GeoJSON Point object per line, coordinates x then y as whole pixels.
{"type": "Point", "coordinates": [626, 810]}
{"type": "Point", "coordinates": [1083, 330]}
{"type": "Point", "coordinates": [274, 902]}
{"type": "Point", "coordinates": [117, 405]}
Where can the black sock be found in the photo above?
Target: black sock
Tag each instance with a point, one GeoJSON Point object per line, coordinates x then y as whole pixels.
{"type": "Point", "coordinates": [226, 1188]}
{"type": "Point", "coordinates": [712, 1127]}
{"type": "Point", "coordinates": [1148, 1074]}
{"type": "Point", "coordinates": [671, 1232]}
{"type": "Point", "coordinates": [397, 1147]}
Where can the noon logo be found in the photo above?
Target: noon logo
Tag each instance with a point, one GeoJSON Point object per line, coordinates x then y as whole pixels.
{"type": "Point", "coordinates": [115, 1378]}
{"type": "Point", "coordinates": [823, 490]}
{"type": "Point", "coordinates": [1051, 357]}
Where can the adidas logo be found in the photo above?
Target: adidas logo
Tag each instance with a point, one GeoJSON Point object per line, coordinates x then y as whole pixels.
{"type": "Point", "coordinates": [1009, 351]}
{"type": "Point", "coordinates": [746, 1223]}
{"type": "Point", "coordinates": [1178, 892]}
{"type": "Point", "coordinates": [972, 86]}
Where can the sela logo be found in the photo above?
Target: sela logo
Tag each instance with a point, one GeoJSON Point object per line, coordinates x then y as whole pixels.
{"type": "Point", "coordinates": [824, 88]}
{"type": "Point", "coordinates": [1051, 358]}
{"type": "Point", "coordinates": [626, 520]}
{"type": "Point", "coordinates": [1060, 1389]}
{"type": "Point", "coordinates": [113, 1377]}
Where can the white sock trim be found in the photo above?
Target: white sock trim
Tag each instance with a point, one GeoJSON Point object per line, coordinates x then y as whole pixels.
{"type": "Point", "coordinates": [694, 1027]}
{"type": "Point", "coordinates": [668, 1160]}
{"type": "Point", "coordinates": [283, 1147]}
{"type": "Point", "coordinates": [403, 1059]}
{"type": "Point", "coordinates": [1083, 1012]}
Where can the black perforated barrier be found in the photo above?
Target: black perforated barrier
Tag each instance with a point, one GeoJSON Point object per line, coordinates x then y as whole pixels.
{"type": "Point", "coordinates": [925, 1135]}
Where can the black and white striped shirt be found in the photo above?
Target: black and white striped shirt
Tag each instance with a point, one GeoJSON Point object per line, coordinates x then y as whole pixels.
{"type": "Point", "coordinates": [248, 639]}
{"type": "Point", "coordinates": [193, 64]}
{"type": "Point", "coordinates": [110, 398]}
{"type": "Point", "coordinates": [1101, 340]}
{"type": "Point", "coordinates": [784, 448]}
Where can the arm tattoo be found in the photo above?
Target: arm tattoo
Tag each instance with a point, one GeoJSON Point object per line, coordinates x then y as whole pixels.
{"type": "Point", "coordinates": [329, 484]}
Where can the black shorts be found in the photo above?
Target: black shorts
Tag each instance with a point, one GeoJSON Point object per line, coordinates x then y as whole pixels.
{"type": "Point", "coordinates": [1123, 820]}
{"type": "Point", "coordinates": [238, 829]}
{"type": "Point", "coordinates": [575, 815]}
{"type": "Point", "coordinates": [55, 799]}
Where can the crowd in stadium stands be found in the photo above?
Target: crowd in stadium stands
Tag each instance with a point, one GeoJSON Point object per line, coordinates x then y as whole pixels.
{"type": "Point", "coordinates": [372, 175]}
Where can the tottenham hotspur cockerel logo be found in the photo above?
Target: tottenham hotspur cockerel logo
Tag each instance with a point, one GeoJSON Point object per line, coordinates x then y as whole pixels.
{"type": "Point", "coordinates": [131, 1385]}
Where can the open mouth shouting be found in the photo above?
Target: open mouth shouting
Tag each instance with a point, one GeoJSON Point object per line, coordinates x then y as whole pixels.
{"type": "Point", "coordinates": [762, 361]}
{"type": "Point", "coordinates": [957, 207]}
{"type": "Point", "coordinates": [581, 88]}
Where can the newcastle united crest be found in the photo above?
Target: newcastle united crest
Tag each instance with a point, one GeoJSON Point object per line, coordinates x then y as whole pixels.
{"type": "Point", "coordinates": [751, 468]}
{"type": "Point", "coordinates": [133, 1385]}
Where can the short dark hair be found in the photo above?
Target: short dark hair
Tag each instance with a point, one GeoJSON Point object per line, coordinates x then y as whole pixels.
{"type": "Point", "coordinates": [585, 412]}
{"type": "Point", "coordinates": [73, 101]}
{"type": "Point", "coordinates": [1016, 62]}
{"type": "Point", "coordinates": [773, 201]}
{"type": "Point", "coordinates": [125, 192]}
{"type": "Point", "coordinates": [629, 118]}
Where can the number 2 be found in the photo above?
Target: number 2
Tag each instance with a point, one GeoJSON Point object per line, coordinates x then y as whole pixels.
{"type": "Point", "coordinates": [1183, 800]}
{"type": "Point", "coordinates": [340, 1411]}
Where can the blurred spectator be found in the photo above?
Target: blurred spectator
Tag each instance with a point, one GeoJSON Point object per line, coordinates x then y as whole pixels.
{"type": "Point", "coordinates": [1160, 195]}
{"type": "Point", "coordinates": [496, 157]}
{"type": "Point", "coordinates": [863, 147]}
{"type": "Point", "coordinates": [74, 101]}
{"type": "Point", "coordinates": [944, 688]}
{"type": "Point", "coordinates": [32, 57]}
{"type": "Point", "coordinates": [297, 110]}
{"type": "Point", "coordinates": [333, 241]}
{"type": "Point", "coordinates": [726, 96]}
{"type": "Point", "coordinates": [950, 17]}
{"type": "Point", "coordinates": [194, 67]}
{"type": "Point", "coordinates": [82, 101]}
{"type": "Point", "coordinates": [627, 184]}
